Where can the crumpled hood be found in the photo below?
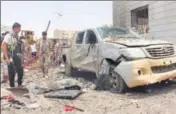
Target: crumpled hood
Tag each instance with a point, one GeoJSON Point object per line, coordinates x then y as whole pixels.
{"type": "Point", "coordinates": [136, 42]}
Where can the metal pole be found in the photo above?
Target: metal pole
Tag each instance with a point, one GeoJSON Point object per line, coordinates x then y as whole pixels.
{"type": "Point", "coordinates": [48, 25]}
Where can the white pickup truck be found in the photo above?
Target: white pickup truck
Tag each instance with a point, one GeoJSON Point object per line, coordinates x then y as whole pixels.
{"type": "Point", "coordinates": [121, 58]}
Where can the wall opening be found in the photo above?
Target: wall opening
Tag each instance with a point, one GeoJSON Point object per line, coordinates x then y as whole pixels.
{"type": "Point", "coordinates": [139, 19]}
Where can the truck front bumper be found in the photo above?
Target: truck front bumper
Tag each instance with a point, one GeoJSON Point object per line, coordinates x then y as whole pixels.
{"type": "Point", "coordinates": [147, 71]}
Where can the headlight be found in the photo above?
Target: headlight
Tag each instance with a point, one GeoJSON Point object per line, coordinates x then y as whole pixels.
{"type": "Point", "coordinates": [133, 53]}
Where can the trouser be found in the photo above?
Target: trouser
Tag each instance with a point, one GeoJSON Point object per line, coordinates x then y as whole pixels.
{"type": "Point", "coordinates": [34, 54]}
{"type": "Point", "coordinates": [15, 67]}
{"type": "Point", "coordinates": [44, 62]}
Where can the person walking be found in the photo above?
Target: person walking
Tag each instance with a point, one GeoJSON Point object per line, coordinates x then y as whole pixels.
{"type": "Point", "coordinates": [11, 46]}
{"type": "Point", "coordinates": [44, 54]}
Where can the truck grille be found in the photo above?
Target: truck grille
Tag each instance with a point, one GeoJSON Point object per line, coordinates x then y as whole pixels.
{"type": "Point", "coordinates": [162, 69]}
{"type": "Point", "coordinates": [163, 51]}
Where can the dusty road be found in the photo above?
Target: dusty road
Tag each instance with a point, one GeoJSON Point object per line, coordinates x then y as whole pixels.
{"type": "Point", "coordinates": [162, 100]}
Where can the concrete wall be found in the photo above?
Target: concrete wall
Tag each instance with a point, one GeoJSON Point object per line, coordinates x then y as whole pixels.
{"type": "Point", "coordinates": [162, 17]}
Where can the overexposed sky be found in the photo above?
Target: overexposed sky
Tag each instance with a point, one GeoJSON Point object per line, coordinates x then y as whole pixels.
{"type": "Point", "coordinates": [34, 15]}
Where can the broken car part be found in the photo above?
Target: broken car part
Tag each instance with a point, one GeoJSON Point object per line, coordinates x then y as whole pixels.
{"type": "Point", "coordinates": [63, 94]}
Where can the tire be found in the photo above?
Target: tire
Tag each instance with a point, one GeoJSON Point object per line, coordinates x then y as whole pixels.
{"type": "Point", "coordinates": [68, 69]}
{"type": "Point", "coordinates": [102, 83]}
{"type": "Point", "coordinates": [117, 84]}
{"type": "Point", "coordinates": [112, 82]}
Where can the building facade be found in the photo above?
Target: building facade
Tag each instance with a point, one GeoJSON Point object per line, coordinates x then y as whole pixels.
{"type": "Point", "coordinates": [63, 34]}
{"type": "Point", "coordinates": [156, 18]}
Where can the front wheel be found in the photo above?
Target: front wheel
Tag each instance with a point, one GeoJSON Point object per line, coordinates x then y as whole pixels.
{"type": "Point", "coordinates": [117, 84]}
{"type": "Point", "coordinates": [110, 81]}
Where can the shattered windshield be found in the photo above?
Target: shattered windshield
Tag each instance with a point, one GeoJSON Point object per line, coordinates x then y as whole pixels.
{"type": "Point", "coordinates": [107, 32]}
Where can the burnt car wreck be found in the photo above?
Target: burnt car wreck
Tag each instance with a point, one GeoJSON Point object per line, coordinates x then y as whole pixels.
{"type": "Point", "coordinates": [121, 58]}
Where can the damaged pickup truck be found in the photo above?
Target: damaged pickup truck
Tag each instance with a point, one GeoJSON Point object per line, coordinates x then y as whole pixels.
{"type": "Point", "coordinates": [121, 58]}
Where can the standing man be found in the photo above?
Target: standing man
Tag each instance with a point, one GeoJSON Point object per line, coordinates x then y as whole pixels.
{"type": "Point", "coordinates": [44, 54]}
{"type": "Point", "coordinates": [11, 46]}
{"type": "Point", "coordinates": [56, 52]}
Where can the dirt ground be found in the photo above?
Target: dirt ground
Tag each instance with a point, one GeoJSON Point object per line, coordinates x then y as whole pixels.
{"type": "Point", "coordinates": [161, 100]}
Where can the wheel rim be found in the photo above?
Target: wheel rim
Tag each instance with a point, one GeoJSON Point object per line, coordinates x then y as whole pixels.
{"type": "Point", "coordinates": [114, 82]}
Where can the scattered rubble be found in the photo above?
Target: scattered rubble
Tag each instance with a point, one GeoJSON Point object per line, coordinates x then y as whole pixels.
{"type": "Point", "coordinates": [98, 102]}
{"type": "Point", "coordinates": [59, 84]}
{"type": "Point", "coordinates": [33, 106]}
{"type": "Point", "coordinates": [64, 94]}
{"type": "Point", "coordinates": [68, 108]}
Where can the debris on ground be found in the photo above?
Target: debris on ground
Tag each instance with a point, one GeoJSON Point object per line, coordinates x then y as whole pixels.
{"type": "Point", "coordinates": [35, 89]}
{"type": "Point", "coordinates": [18, 91]}
{"type": "Point", "coordinates": [68, 108]}
{"type": "Point", "coordinates": [91, 102]}
{"type": "Point", "coordinates": [60, 84]}
{"type": "Point", "coordinates": [5, 92]}
{"type": "Point", "coordinates": [33, 106]}
{"type": "Point", "coordinates": [7, 97]}
{"type": "Point", "coordinates": [12, 102]}
{"type": "Point", "coordinates": [64, 94]}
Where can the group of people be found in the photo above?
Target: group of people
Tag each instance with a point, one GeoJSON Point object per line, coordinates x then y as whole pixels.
{"type": "Point", "coordinates": [13, 52]}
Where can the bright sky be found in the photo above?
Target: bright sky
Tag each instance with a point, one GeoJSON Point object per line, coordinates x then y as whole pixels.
{"type": "Point", "coordinates": [34, 15]}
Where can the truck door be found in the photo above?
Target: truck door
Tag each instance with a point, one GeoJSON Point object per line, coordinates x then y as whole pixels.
{"type": "Point", "coordinates": [77, 50]}
{"type": "Point", "coordinates": [91, 51]}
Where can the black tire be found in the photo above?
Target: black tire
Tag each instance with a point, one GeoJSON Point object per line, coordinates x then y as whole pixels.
{"type": "Point", "coordinates": [106, 82]}
{"type": "Point", "coordinates": [68, 69]}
